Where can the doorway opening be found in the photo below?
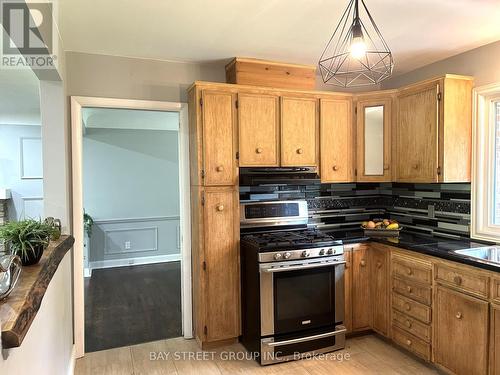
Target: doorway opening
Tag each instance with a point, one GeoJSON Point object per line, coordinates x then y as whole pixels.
{"type": "Point", "coordinates": [130, 222]}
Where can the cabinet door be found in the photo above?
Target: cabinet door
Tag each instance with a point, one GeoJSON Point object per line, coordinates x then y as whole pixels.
{"type": "Point", "coordinates": [336, 140]}
{"type": "Point", "coordinates": [219, 155]}
{"type": "Point", "coordinates": [379, 263]}
{"type": "Point", "coordinates": [361, 293]}
{"type": "Point", "coordinates": [374, 140]}
{"type": "Point", "coordinates": [299, 132]}
{"type": "Point", "coordinates": [258, 121]}
{"type": "Point", "coordinates": [495, 340]}
{"type": "Point", "coordinates": [417, 135]}
{"type": "Point", "coordinates": [348, 289]}
{"type": "Point", "coordinates": [221, 232]}
{"type": "Point", "coordinates": [461, 332]}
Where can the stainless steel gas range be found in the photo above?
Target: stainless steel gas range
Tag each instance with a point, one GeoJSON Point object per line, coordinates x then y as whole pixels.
{"type": "Point", "coordinates": [292, 283]}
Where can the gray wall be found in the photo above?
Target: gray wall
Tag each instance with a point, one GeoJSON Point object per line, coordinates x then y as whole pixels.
{"type": "Point", "coordinates": [482, 63]}
{"type": "Point", "coordinates": [131, 189]}
{"type": "Point", "coordinates": [21, 169]}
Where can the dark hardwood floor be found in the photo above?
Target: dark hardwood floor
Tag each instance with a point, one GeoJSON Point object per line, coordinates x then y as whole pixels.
{"type": "Point", "coordinates": [131, 305]}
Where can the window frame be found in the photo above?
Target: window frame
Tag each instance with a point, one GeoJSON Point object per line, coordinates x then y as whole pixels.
{"type": "Point", "coordinates": [483, 163]}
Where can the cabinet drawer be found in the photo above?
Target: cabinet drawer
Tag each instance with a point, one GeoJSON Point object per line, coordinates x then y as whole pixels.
{"type": "Point", "coordinates": [417, 292]}
{"type": "Point", "coordinates": [495, 289]}
{"type": "Point", "coordinates": [412, 343]}
{"type": "Point", "coordinates": [412, 269]}
{"type": "Point", "coordinates": [411, 325]}
{"type": "Point", "coordinates": [411, 308]}
{"type": "Point", "coordinates": [463, 280]}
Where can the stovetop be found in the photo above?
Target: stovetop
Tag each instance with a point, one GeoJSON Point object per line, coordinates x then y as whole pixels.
{"type": "Point", "coordinates": [293, 239]}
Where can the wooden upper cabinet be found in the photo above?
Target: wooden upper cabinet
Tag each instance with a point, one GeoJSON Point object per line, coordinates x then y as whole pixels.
{"type": "Point", "coordinates": [461, 332]}
{"type": "Point", "coordinates": [374, 121]}
{"type": "Point", "coordinates": [417, 135]}
{"type": "Point", "coordinates": [299, 132]}
{"type": "Point", "coordinates": [258, 121]}
{"type": "Point", "coordinates": [434, 131]}
{"type": "Point", "coordinates": [336, 140]}
{"type": "Point", "coordinates": [219, 153]}
{"type": "Point", "coordinates": [380, 288]}
{"type": "Point", "coordinates": [221, 256]}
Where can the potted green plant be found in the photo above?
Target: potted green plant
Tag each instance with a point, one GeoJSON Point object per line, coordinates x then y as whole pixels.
{"type": "Point", "coordinates": [27, 238]}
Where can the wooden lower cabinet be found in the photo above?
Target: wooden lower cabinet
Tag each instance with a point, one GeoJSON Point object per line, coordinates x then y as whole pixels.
{"type": "Point", "coordinates": [215, 254]}
{"type": "Point", "coordinates": [461, 332]}
{"type": "Point", "coordinates": [379, 263]}
{"type": "Point", "coordinates": [361, 288]}
{"type": "Point", "coordinates": [348, 289]}
{"type": "Point", "coordinates": [495, 340]}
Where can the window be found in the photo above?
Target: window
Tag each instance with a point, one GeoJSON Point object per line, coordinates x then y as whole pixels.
{"type": "Point", "coordinates": [486, 164]}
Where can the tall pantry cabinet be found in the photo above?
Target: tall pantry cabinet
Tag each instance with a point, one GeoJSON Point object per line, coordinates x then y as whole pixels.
{"type": "Point", "coordinates": [215, 216]}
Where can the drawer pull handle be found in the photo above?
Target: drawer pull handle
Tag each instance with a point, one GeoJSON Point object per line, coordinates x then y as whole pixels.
{"type": "Point", "coordinates": [362, 263]}
{"type": "Point", "coordinates": [258, 150]}
{"type": "Point", "coordinates": [407, 307]}
{"type": "Point", "coordinates": [408, 342]}
{"type": "Point", "coordinates": [220, 207]}
{"type": "Point", "coordinates": [379, 264]}
{"type": "Point", "coordinates": [458, 280]}
{"type": "Point", "coordinates": [409, 289]}
{"type": "Point", "coordinates": [300, 151]}
{"type": "Point", "coordinates": [408, 324]}
{"type": "Point", "coordinates": [459, 315]}
{"type": "Point", "coordinates": [335, 168]}
{"type": "Point", "coordinates": [409, 271]}
{"type": "Point", "coordinates": [220, 168]}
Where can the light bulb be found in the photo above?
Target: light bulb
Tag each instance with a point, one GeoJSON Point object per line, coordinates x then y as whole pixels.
{"type": "Point", "coordinates": [358, 47]}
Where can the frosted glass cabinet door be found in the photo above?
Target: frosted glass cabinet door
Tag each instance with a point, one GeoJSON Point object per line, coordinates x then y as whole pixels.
{"type": "Point", "coordinates": [373, 140]}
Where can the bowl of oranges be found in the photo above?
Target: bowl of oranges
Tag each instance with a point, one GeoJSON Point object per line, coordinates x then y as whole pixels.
{"type": "Point", "coordinates": [381, 227]}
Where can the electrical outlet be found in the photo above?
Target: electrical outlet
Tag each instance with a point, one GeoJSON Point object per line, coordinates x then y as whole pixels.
{"type": "Point", "coordinates": [127, 245]}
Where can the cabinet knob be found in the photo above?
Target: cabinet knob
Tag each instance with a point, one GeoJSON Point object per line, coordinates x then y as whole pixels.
{"type": "Point", "coordinates": [459, 315]}
{"type": "Point", "coordinates": [300, 151]}
{"type": "Point", "coordinates": [379, 264]}
{"type": "Point", "coordinates": [409, 289]}
{"type": "Point", "coordinates": [386, 167]}
{"type": "Point", "coordinates": [458, 280]}
{"type": "Point", "coordinates": [408, 324]}
{"type": "Point", "coordinates": [407, 307]}
{"type": "Point", "coordinates": [258, 150]}
{"type": "Point", "coordinates": [335, 168]}
{"type": "Point", "coordinates": [408, 342]}
{"type": "Point", "coordinates": [220, 168]}
{"type": "Point", "coordinates": [409, 271]}
{"type": "Point", "coordinates": [415, 166]}
{"type": "Point", "coordinates": [362, 263]}
{"type": "Point", "coordinates": [220, 207]}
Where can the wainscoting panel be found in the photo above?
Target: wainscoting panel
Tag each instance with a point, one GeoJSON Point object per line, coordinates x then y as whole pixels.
{"type": "Point", "coordinates": [124, 241]}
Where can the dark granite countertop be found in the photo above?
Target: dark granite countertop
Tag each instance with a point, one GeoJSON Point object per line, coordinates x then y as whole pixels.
{"type": "Point", "coordinates": [425, 244]}
{"type": "Point", "coordinates": [18, 310]}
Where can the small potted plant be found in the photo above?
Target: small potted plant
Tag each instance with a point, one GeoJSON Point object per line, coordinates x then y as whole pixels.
{"type": "Point", "coordinates": [27, 238]}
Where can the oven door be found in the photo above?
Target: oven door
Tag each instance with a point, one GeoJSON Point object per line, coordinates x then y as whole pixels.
{"type": "Point", "coordinates": [301, 295]}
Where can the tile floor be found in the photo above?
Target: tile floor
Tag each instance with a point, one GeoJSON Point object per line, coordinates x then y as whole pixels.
{"type": "Point", "coordinates": [363, 355]}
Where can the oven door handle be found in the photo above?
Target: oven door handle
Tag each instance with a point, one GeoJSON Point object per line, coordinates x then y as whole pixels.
{"type": "Point", "coordinates": [308, 338]}
{"type": "Point", "coordinates": [302, 267]}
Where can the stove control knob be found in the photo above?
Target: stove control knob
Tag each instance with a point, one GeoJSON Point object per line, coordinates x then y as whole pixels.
{"type": "Point", "coordinates": [277, 256]}
{"type": "Point", "coordinates": [330, 251]}
{"type": "Point", "coordinates": [322, 252]}
{"type": "Point", "coordinates": [305, 254]}
{"type": "Point", "coordinates": [287, 255]}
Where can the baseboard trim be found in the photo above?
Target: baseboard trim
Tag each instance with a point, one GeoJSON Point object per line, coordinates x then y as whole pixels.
{"type": "Point", "coordinates": [133, 261]}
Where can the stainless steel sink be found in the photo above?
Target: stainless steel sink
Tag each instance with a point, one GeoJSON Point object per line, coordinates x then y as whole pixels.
{"type": "Point", "coordinates": [490, 254]}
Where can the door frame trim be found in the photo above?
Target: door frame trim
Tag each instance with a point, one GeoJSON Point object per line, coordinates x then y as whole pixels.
{"type": "Point", "coordinates": [77, 103]}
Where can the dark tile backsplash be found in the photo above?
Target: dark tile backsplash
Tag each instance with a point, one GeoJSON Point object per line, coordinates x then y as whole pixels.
{"type": "Point", "coordinates": [439, 209]}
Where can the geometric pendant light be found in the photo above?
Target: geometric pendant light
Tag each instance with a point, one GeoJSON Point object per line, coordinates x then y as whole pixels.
{"type": "Point", "coordinates": [357, 54]}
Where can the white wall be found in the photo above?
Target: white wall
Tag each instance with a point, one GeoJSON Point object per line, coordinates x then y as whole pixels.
{"type": "Point", "coordinates": [482, 63]}
{"type": "Point", "coordinates": [47, 348]}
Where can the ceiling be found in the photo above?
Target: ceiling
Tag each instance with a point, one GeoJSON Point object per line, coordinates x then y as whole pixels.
{"type": "Point", "coordinates": [419, 32]}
